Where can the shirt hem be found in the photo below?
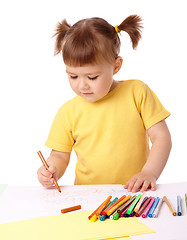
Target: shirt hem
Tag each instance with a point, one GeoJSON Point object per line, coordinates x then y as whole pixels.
{"type": "Point", "coordinates": [158, 118]}
{"type": "Point", "coordinates": [58, 147]}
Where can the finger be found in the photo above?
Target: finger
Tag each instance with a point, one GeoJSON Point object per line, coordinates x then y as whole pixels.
{"type": "Point", "coordinates": [131, 184]}
{"type": "Point", "coordinates": [145, 186]}
{"type": "Point", "coordinates": [47, 185]}
{"type": "Point", "coordinates": [137, 185]}
{"type": "Point", "coordinates": [46, 180]}
{"type": "Point", "coordinates": [153, 185]}
{"type": "Point", "coordinates": [47, 173]}
{"type": "Point", "coordinates": [126, 185]}
{"type": "Point", "coordinates": [53, 171]}
{"type": "Point", "coordinates": [42, 170]}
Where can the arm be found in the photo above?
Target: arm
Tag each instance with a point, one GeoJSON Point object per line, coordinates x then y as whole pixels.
{"type": "Point", "coordinates": [58, 162]}
{"type": "Point", "coordinates": [158, 156]}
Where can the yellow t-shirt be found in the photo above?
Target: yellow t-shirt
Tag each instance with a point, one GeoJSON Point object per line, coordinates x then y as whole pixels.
{"type": "Point", "coordinates": [109, 136]}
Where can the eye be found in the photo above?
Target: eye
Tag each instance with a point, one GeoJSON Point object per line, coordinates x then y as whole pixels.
{"type": "Point", "coordinates": [73, 77]}
{"type": "Point", "coordinates": [93, 78]}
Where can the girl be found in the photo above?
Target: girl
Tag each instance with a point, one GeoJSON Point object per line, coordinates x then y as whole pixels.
{"type": "Point", "coordinates": [109, 122]}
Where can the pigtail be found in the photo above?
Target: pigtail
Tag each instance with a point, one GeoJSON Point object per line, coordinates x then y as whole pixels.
{"type": "Point", "coordinates": [132, 25]}
{"type": "Point", "coordinates": [61, 30]}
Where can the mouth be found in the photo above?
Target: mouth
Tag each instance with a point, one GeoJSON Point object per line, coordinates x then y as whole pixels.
{"type": "Point", "coordinates": [87, 93]}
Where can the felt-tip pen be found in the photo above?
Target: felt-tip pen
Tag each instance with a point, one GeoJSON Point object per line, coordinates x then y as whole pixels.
{"type": "Point", "coordinates": [179, 208]}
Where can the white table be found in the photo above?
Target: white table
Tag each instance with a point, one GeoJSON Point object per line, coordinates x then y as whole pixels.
{"type": "Point", "coordinates": [167, 227]}
{"type": "Point", "coordinates": [21, 203]}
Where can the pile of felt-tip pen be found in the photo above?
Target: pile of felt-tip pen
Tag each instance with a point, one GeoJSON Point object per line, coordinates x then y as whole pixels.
{"type": "Point", "coordinates": [129, 206]}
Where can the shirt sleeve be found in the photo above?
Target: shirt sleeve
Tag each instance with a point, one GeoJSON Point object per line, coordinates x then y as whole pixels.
{"type": "Point", "coordinates": [60, 135]}
{"type": "Point", "coordinates": [151, 109]}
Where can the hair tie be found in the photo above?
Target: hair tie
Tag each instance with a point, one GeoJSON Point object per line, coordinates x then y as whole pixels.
{"type": "Point", "coordinates": [117, 29]}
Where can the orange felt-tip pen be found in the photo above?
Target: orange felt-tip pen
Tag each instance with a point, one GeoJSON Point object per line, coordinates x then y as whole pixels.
{"type": "Point", "coordinates": [93, 213]}
{"type": "Point", "coordinates": [112, 205]}
{"type": "Point", "coordinates": [98, 210]}
{"type": "Point", "coordinates": [103, 205]}
{"type": "Point", "coordinates": [47, 166]}
{"type": "Point", "coordinates": [70, 209]}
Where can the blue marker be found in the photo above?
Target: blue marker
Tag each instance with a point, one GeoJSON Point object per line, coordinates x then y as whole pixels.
{"type": "Point", "coordinates": [179, 208]}
{"type": "Point", "coordinates": [103, 217]}
{"type": "Point", "coordinates": [153, 207]}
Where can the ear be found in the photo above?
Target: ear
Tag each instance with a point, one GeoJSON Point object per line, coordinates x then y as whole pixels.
{"type": "Point", "coordinates": [118, 64]}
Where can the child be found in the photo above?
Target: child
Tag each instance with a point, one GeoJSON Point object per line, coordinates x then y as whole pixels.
{"type": "Point", "coordinates": [109, 122]}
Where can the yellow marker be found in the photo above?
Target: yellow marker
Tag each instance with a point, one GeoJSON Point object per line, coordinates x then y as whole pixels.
{"type": "Point", "coordinates": [93, 218]}
{"type": "Point", "coordinates": [109, 212]}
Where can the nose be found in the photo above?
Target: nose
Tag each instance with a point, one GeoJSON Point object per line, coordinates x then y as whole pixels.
{"type": "Point", "coordinates": [83, 84]}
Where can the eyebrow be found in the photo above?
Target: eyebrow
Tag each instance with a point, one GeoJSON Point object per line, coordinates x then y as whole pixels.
{"type": "Point", "coordinates": [93, 73]}
{"type": "Point", "coordinates": [70, 72]}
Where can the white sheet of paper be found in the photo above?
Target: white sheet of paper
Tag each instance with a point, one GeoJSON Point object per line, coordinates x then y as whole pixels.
{"type": "Point", "coordinates": [22, 202]}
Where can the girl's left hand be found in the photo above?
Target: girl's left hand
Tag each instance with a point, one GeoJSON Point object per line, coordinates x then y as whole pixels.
{"type": "Point", "coordinates": [141, 182]}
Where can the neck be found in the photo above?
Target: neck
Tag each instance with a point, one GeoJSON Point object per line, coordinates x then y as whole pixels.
{"type": "Point", "coordinates": [114, 85]}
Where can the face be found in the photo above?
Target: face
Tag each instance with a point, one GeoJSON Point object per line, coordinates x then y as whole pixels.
{"type": "Point", "coordinates": [92, 82]}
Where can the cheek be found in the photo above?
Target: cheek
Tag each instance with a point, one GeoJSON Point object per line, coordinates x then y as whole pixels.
{"type": "Point", "coordinates": [72, 85]}
{"type": "Point", "coordinates": [102, 88]}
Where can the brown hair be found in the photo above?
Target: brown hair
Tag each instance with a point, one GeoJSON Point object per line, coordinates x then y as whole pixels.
{"type": "Point", "coordinates": [91, 39]}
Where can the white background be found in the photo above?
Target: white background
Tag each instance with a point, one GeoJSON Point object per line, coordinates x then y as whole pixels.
{"type": "Point", "coordinates": [33, 83]}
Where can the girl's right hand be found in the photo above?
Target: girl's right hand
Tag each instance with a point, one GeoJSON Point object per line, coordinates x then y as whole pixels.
{"type": "Point", "coordinates": [45, 176]}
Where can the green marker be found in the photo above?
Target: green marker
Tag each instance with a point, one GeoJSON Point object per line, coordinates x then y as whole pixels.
{"type": "Point", "coordinates": [132, 206]}
{"type": "Point", "coordinates": [116, 216]}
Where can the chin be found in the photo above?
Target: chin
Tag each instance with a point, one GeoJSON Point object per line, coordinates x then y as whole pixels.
{"type": "Point", "coordinates": [90, 100]}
